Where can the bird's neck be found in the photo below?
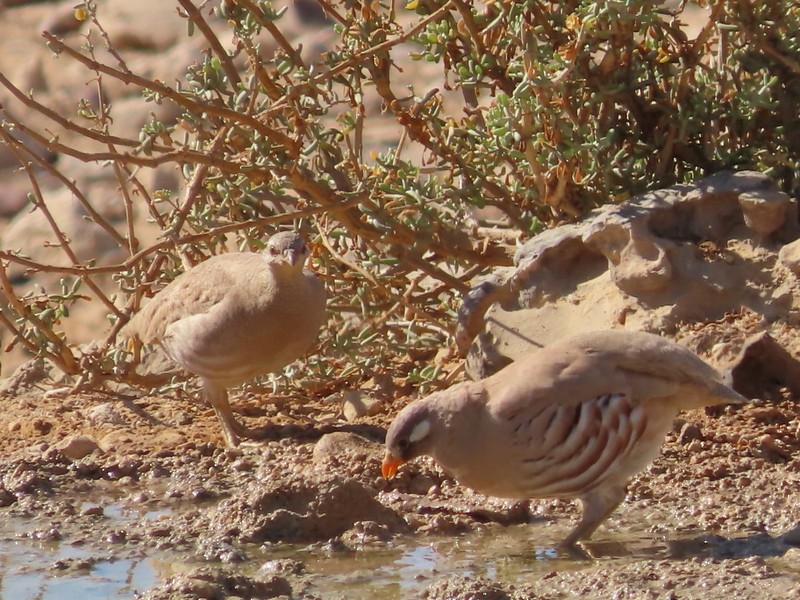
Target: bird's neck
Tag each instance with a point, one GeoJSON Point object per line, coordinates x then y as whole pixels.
{"type": "Point", "coordinates": [461, 417]}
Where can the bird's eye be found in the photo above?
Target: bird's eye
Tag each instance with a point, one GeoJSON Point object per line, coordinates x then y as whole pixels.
{"type": "Point", "coordinates": [274, 251]}
{"type": "Point", "coordinates": [403, 444]}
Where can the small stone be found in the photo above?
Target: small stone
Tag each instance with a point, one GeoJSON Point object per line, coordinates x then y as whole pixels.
{"type": "Point", "coordinates": [792, 536]}
{"type": "Point", "coordinates": [6, 498]}
{"type": "Point", "coordinates": [92, 511]}
{"type": "Point", "coordinates": [117, 536]}
{"type": "Point", "coordinates": [689, 433]}
{"type": "Point", "coordinates": [160, 531]}
{"type": "Point", "coordinates": [694, 446]}
{"type": "Point", "coordinates": [789, 255]}
{"type": "Point", "coordinates": [116, 440]}
{"type": "Point", "coordinates": [342, 446]}
{"type": "Point", "coordinates": [105, 414]}
{"type": "Point", "coordinates": [76, 447]}
{"type": "Point", "coordinates": [285, 566]}
{"type": "Point", "coordinates": [765, 211]}
{"type": "Point", "coordinates": [356, 405]}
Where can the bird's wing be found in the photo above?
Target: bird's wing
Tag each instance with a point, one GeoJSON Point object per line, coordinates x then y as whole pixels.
{"type": "Point", "coordinates": [639, 366]}
{"type": "Point", "coordinates": [194, 292]}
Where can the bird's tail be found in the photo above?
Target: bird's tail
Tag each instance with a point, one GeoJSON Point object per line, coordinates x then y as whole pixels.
{"type": "Point", "coordinates": [720, 393]}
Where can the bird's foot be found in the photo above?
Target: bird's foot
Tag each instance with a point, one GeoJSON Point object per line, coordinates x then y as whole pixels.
{"type": "Point", "coordinates": [576, 551]}
{"type": "Point", "coordinates": [239, 435]}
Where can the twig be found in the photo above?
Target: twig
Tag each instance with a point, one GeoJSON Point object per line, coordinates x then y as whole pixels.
{"type": "Point", "coordinates": [258, 15]}
{"type": "Point", "coordinates": [227, 64]}
{"type": "Point", "coordinates": [328, 8]}
{"type": "Point", "coordinates": [399, 300]}
{"type": "Point", "coordinates": [64, 358]}
{"type": "Point", "coordinates": [156, 86]}
{"type": "Point", "coordinates": [66, 123]}
{"type": "Point", "coordinates": [41, 205]}
{"type": "Point", "coordinates": [472, 27]}
{"type": "Point", "coordinates": [191, 194]}
{"type": "Point", "coordinates": [131, 262]}
{"type": "Point", "coordinates": [359, 58]}
{"type": "Point", "coordinates": [93, 214]}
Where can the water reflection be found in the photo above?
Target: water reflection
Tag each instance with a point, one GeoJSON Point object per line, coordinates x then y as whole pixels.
{"type": "Point", "coordinates": [403, 568]}
{"type": "Point", "coordinates": [29, 574]}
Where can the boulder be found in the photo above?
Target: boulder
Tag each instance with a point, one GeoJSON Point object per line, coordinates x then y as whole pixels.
{"type": "Point", "coordinates": [688, 253]}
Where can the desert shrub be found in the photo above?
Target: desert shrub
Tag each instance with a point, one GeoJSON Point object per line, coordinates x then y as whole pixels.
{"type": "Point", "coordinates": [538, 112]}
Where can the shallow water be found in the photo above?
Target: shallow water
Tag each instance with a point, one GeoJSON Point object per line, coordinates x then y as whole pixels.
{"type": "Point", "coordinates": [50, 569]}
{"type": "Point", "coordinates": [402, 568]}
{"type": "Point", "coordinates": [28, 574]}
{"type": "Point", "coordinates": [43, 570]}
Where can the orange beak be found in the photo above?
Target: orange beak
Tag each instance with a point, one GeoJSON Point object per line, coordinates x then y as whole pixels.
{"type": "Point", "coordinates": [390, 466]}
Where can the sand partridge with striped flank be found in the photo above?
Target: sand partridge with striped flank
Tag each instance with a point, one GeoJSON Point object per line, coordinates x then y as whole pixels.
{"type": "Point", "coordinates": [577, 418]}
{"type": "Point", "coordinates": [236, 316]}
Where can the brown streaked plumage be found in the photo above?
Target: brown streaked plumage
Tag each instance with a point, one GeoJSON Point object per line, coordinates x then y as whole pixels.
{"type": "Point", "coordinates": [236, 316]}
{"type": "Point", "coordinates": [577, 418]}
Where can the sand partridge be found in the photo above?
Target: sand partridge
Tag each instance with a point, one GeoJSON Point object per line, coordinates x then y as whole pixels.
{"type": "Point", "coordinates": [577, 418]}
{"type": "Point", "coordinates": [236, 316]}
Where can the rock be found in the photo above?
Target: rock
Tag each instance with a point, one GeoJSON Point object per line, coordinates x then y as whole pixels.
{"type": "Point", "coordinates": [789, 255]}
{"type": "Point", "coordinates": [689, 433]}
{"type": "Point", "coordinates": [342, 447]}
{"type": "Point", "coordinates": [215, 584]}
{"type": "Point", "coordinates": [116, 441]}
{"type": "Point", "coordinates": [146, 24]}
{"type": "Point", "coordinates": [133, 112]}
{"type": "Point", "coordinates": [14, 191]}
{"type": "Point", "coordinates": [8, 158]}
{"type": "Point", "coordinates": [763, 363]}
{"type": "Point", "coordinates": [12, 3]}
{"type": "Point", "coordinates": [766, 211]}
{"type": "Point", "coordinates": [364, 533]}
{"type": "Point", "coordinates": [283, 566]}
{"type": "Point", "coordinates": [302, 509]}
{"type": "Point", "coordinates": [25, 377]}
{"type": "Point", "coordinates": [463, 588]}
{"type": "Point", "coordinates": [792, 536]}
{"type": "Point", "coordinates": [169, 438]}
{"type": "Point", "coordinates": [6, 498]}
{"type": "Point", "coordinates": [61, 20]}
{"type": "Point", "coordinates": [105, 414]}
{"type": "Point", "coordinates": [682, 254]}
{"type": "Point", "coordinates": [218, 550]}
{"type": "Point", "coordinates": [356, 405]}
{"type": "Point", "coordinates": [77, 447]}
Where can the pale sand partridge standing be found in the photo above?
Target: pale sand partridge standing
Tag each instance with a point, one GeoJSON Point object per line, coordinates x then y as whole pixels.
{"type": "Point", "coordinates": [236, 316]}
{"type": "Point", "coordinates": [577, 418]}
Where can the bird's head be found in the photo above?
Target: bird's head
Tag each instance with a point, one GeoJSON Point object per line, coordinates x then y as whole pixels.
{"type": "Point", "coordinates": [410, 435]}
{"type": "Point", "coordinates": [287, 248]}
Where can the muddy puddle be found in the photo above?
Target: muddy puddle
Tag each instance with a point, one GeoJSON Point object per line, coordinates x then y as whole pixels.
{"type": "Point", "coordinates": [43, 559]}
{"type": "Point", "coordinates": [38, 562]}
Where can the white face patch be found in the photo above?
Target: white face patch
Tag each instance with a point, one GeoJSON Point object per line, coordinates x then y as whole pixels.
{"type": "Point", "coordinates": [420, 431]}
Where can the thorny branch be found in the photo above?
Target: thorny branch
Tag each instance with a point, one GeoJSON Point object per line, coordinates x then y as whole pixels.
{"type": "Point", "coordinates": [561, 107]}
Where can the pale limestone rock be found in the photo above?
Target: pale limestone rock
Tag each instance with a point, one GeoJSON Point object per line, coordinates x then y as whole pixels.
{"type": "Point", "coordinates": [355, 405]}
{"type": "Point", "coordinates": [333, 448]}
{"type": "Point", "coordinates": [789, 256]}
{"type": "Point", "coordinates": [685, 253]}
{"type": "Point", "coordinates": [77, 447]}
{"type": "Point", "coordinates": [766, 211]}
{"type": "Point", "coordinates": [105, 414]}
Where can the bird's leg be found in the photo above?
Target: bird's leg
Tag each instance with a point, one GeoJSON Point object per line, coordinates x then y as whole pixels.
{"type": "Point", "coordinates": [597, 505]}
{"type": "Point", "coordinates": [217, 397]}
